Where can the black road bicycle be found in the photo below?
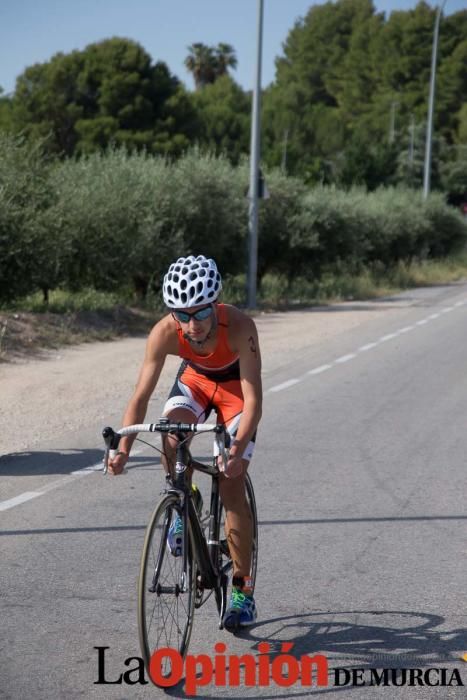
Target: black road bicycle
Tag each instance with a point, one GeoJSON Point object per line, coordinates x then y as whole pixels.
{"type": "Point", "coordinates": [172, 585]}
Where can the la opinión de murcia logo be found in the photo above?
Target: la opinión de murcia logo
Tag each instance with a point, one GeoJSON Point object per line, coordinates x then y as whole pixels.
{"type": "Point", "coordinates": [397, 677]}
{"type": "Point", "coordinates": [223, 670]}
{"type": "Point", "coordinates": [260, 670]}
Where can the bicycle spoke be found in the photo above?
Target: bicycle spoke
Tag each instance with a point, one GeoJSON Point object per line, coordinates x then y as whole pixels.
{"type": "Point", "coordinates": [165, 612]}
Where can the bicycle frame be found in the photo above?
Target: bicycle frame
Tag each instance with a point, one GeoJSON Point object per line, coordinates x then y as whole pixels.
{"type": "Point", "coordinates": [207, 551]}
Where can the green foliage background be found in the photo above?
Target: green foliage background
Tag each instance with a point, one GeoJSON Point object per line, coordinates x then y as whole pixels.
{"type": "Point", "coordinates": [109, 167]}
{"type": "Point", "coordinates": [114, 221]}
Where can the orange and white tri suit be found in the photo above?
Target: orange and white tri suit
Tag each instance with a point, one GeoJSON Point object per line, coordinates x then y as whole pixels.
{"type": "Point", "coordinates": [210, 382]}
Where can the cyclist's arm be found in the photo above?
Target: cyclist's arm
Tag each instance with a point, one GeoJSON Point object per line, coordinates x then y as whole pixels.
{"type": "Point", "coordinates": [158, 346]}
{"type": "Point", "coordinates": [250, 379]}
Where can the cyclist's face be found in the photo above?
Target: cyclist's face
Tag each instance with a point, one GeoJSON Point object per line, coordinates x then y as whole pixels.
{"type": "Point", "coordinates": [196, 321]}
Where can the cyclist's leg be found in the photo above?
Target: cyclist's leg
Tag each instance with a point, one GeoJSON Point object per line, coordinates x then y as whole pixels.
{"type": "Point", "coordinates": [169, 442]}
{"type": "Point", "coordinates": [238, 521]}
{"type": "Point", "coordinates": [240, 531]}
{"type": "Point", "coordinates": [187, 403]}
{"type": "Point", "coordinates": [239, 526]}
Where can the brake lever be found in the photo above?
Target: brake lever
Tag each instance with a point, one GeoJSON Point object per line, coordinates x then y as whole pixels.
{"type": "Point", "coordinates": [111, 439]}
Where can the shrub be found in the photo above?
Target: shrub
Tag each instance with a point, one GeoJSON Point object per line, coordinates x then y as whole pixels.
{"type": "Point", "coordinates": [29, 254]}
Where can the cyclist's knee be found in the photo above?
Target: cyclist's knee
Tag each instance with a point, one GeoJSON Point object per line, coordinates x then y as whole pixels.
{"type": "Point", "coordinates": [169, 442]}
{"type": "Point", "coordinates": [177, 415]}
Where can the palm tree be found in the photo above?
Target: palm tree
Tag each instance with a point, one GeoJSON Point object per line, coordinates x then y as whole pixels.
{"type": "Point", "coordinates": [226, 58]}
{"type": "Point", "coordinates": [202, 63]}
{"type": "Point", "coordinates": [207, 63]}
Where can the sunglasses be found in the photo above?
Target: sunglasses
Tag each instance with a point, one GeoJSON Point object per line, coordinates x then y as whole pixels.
{"type": "Point", "coordinates": [200, 315]}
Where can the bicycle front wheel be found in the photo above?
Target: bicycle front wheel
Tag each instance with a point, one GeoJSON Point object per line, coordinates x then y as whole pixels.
{"type": "Point", "coordinates": [166, 592]}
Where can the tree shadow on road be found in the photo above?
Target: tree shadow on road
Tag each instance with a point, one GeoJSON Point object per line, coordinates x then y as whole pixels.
{"type": "Point", "coordinates": [35, 463]}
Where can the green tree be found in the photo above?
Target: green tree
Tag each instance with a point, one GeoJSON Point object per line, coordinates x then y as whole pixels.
{"type": "Point", "coordinates": [311, 83]}
{"type": "Point", "coordinates": [225, 59]}
{"type": "Point", "coordinates": [5, 112]}
{"type": "Point", "coordinates": [108, 93]}
{"type": "Point", "coordinates": [461, 117]}
{"type": "Point", "coordinates": [454, 176]}
{"type": "Point", "coordinates": [31, 253]}
{"type": "Point", "coordinates": [201, 62]}
{"type": "Point", "coordinates": [451, 91]}
{"type": "Point", "coordinates": [411, 156]}
{"type": "Point", "coordinates": [223, 111]}
{"type": "Point", "coordinates": [346, 73]}
{"type": "Point", "coordinates": [46, 103]}
{"type": "Point", "coordinates": [367, 164]}
{"type": "Point", "coordinates": [107, 203]}
{"type": "Point", "coordinates": [208, 63]}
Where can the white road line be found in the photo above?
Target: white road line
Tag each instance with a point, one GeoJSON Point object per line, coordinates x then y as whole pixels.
{"type": "Point", "coordinates": [368, 346]}
{"type": "Point", "coordinates": [65, 479]}
{"type": "Point", "coordinates": [284, 385]}
{"type": "Point", "coordinates": [406, 329]}
{"type": "Point", "coordinates": [17, 500]}
{"type": "Point", "coordinates": [387, 337]}
{"type": "Point", "coordinates": [447, 309]}
{"type": "Point", "coordinates": [433, 316]}
{"type": "Point", "coordinates": [345, 358]}
{"type": "Point", "coordinates": [98, 467]}
{"type": "Point", "coordinates": [319, 370]}
{"type": "Point", "coordinates": [422, 322]}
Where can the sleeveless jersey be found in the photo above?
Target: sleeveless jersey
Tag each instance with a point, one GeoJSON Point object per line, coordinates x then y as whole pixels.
{"type": "Point", "coordinates": [221, 364]}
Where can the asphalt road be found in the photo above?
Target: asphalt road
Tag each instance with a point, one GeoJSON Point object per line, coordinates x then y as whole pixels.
{"type": "Point", "coordinates": [360, 476]}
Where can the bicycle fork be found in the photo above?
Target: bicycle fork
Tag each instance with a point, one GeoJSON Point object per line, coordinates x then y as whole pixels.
{"type": "Point", "coordinates": [182, 585]}
{"type": "Point", "coordinates": [214, 547]}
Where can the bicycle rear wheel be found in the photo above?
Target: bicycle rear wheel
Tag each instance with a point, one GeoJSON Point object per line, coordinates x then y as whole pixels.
{"type": "Point", "coordinates": [166, 594]}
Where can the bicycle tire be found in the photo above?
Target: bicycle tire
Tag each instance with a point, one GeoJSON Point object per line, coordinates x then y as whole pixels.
{"type": "Point", "coordinates": [165, 612]}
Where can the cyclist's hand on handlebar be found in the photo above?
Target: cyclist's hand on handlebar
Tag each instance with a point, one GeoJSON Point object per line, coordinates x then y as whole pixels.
{"type": "Point", "coordinates": [117, 463]}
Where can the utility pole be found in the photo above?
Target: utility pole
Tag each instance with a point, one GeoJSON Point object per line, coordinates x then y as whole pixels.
{"type": "Point", "coordinates": [254, 169]}
{"type": "Point", "coordinates": [392, 123]}
{"type": "Point", "coordinates": [284, 152]}
{"type": "Point", "coordinates": [431, 103]}
{"type": "Point", "coordinates": [412, 141]}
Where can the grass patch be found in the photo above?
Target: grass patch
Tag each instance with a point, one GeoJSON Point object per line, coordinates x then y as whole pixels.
{"type": "Point", "coordinates": [430, 272]}
{"type": "Point", "coordinates": [373, 283]}
{"type": "Point", "coordinates": [62, 301]}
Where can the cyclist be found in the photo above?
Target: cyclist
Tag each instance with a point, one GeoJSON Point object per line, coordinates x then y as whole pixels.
{"type": "Point", "coordinates": [221, 369]}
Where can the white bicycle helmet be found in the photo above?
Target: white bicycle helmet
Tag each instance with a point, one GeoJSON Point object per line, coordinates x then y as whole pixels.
{"type": "Point", "coordinates": [191, 282]}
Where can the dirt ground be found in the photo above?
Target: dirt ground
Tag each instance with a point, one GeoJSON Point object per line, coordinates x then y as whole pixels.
{"type": "Point", "coordinates": [25, 335]}
{"type": "Point", "coordinates": [71, 386]}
